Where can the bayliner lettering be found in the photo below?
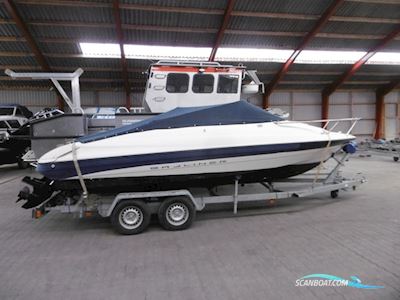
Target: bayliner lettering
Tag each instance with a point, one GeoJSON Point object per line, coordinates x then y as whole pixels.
{"type": "Point", "coordinates": [189, 165]}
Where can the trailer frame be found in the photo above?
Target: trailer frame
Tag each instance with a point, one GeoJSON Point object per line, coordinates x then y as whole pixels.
{"type": "Point", "coordinates": [105, 205]}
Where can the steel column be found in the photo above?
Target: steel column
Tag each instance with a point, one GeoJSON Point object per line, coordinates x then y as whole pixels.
{"type": "Point", "coordinates": [325, 107]}
{"type": "Point", "coordinates": [389, 87]}
{"type": "Point", "coordinates": [380, 107]}
{"type": "Point", "coordinates": [379, 115]}
{"type": "Point", "coordinates": [265, 101]}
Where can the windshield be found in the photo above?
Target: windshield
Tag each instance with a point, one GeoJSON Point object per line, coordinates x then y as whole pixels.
{"type": "Point", "coordinates": [6, 111]}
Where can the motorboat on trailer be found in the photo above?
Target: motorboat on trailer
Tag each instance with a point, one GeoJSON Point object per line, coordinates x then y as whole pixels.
{"type": "Point", "coordinates": [188, 146]}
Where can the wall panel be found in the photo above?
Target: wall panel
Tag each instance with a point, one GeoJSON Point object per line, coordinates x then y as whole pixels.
{"type": "Point", "coordinates": [300, 105]}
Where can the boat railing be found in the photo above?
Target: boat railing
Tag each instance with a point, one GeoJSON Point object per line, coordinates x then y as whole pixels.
{"type": "Point", "coordinates": [335, 122]}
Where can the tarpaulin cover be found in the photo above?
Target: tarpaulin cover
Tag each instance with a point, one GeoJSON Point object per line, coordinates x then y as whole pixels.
{"type": "Point", "coordinates": [240, 112]}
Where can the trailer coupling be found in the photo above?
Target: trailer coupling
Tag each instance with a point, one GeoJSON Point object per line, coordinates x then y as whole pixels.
{"type": "Point", "coordinates": [42, 190]}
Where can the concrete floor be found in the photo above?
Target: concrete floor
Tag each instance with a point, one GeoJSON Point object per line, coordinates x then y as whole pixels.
{"type": "Point", "coordinates": [258, 255]}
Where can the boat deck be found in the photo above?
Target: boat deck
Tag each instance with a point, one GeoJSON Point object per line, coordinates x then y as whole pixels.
{"type": "Point", "coordinates": [256, 255]}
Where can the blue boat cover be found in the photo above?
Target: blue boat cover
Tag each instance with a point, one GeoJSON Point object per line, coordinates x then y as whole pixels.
{"type": "Point", "coordinates": [240, 112]}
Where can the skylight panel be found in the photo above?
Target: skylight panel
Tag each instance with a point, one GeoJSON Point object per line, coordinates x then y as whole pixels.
{"type": "Point", "coordinates": [166, 52]}
{"type": "Point", "coordinates": [152, 52]}
{"type": "Point", "coordinates": [385, 58]}
{"type": "Point", "coordinates": [329, 57]}
{"type": "Point", "coordinates": [100, 50]}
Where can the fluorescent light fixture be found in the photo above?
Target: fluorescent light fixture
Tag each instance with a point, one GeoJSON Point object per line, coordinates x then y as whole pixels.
{"type": "Point", "coordinates": [100, 50]}
{"type": "Point", "coordinates": [235, 54]}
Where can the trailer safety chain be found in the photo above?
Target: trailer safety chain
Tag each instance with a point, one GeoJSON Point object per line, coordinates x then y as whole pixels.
{"type": "Point", "coordinates": [78, 171]}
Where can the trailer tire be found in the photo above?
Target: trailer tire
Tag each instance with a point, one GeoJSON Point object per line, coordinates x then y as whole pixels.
{"type": "Point", "coordinates": [176, 213]}
{"type": "Point", "coordinates": [130, 217]}
{"type": "Point", "coordinates": [396, 158]}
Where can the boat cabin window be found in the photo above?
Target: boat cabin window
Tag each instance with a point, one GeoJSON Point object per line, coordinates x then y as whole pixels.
{"type": "Point", "coordinates": [14, 123]}
{"type": "Point", "coordinates": [203, 83]}
{"type": "Point", "coordinates": [228, 84]}
{"type": "Point", "coordinates": [177, 83]}
{"type": "Point", "coordinates": [18, 112]}
{"type": "Point", "coordinates": [3, 125]}
{"type": "Point", "coordinates": [6, 111]}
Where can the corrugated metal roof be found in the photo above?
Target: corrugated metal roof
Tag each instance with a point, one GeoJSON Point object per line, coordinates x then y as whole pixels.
{"type": "Point", "coordinates": [9, 30]}
{"type": "Point", "coordinates": [15, 47]}
{"type": "Point", "coordinates": [359, 86]}
{"type": "Point", "coordinates": [322, 67]}
{"type": "Point", "coordinates": [317, 87]}
{"type": "Point", "coordinates": [393, 46]}
{"type": "Point", "coordinates": [75, 62]}
{"type": "Point", "coordinates": [296, 7]}
{"type": "Point", "coordinates": [320, 77]}
{"type": "Point", "coordinates": [359, 28]}
{"type": "Point", "coordinates": [215, 4]}
{"type": "Point", "coordinates": [169, 38]}
{"type": "Point", "coordinates": [142, 64]}
{"type": "Point", "coordinates": [372, 10]}
{"type": "Point", "coordinates": [170, 19]}
{"type": "Point", "coordinates": [19, 61]}
{"type": "Point", "coordinates": [341, 44]}
{"type": "Point", "coordinates": [260, 32]}
{"type": "Point", "coordinates": [250, 41]}
{"type": "Point", "coordinates": [373, 77]}
{"type": "Point", "coordinates": [64, 48]}
{"type": "Point", "coordinates": [25, 83]}
{"type": "Point", "coordinates": [78, 33]}
{"type": "Point", "coordinates": [65, 13]}
{"type": "Point", "coordinates": [100, 74]}
{"type": "Point", "coordinates": [395, 69]}
{"type": "Point", "coordinates": [3, 11]}
{"type": "Point", "coordinates": [268, 24]}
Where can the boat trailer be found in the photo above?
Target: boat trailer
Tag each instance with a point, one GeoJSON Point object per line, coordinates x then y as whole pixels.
{"type": "Point", "coordinates": [385, 148]}
{"type": "Point", "coordinates": [130, 212]}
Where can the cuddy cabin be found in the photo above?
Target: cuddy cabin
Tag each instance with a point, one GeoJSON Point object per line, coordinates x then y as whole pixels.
{"type": "Point", "coordinates": [174, 84]}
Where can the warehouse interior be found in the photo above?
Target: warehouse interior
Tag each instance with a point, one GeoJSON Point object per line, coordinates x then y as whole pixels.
{"type": "Point", "coordinates": [55, 29]}
{"type": "Point", "coordinates": [316, 60]}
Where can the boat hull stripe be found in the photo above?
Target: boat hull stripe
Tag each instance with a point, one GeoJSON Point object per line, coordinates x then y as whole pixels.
{"type": "Point", "coordinates": [63, 170]}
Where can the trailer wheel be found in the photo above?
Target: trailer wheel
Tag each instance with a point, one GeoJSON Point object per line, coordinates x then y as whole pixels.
{"type": "Point", "coordinates": [396, 158]}
{"type": "Point", "coordinates": [176, 213]}
{"type": "Point", "coordinates": [130, 217]}
{"type": "Point", "coordinates": [334, 194]}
